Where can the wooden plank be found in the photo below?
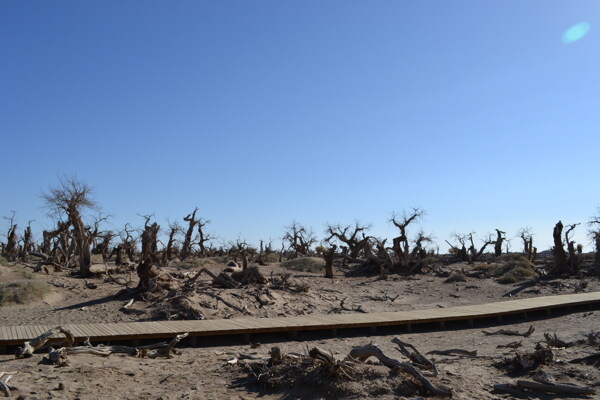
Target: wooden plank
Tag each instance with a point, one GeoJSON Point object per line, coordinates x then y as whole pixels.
{"type": "Point", "coordinates": [13, 333]}
{"type": "Point", "coordinates": [4, 333]}
{"type": "Point", "coordinates": [30, 332]}
{"type": "Point", "coordinates": [76, 331]}
{"type": "Point", "coordinates": [246, 325]}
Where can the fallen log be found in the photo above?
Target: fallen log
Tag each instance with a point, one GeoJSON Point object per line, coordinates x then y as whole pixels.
{"type": "Point", "coordinates": [511, 345]}
{"type": "Point", "coordinates": [59, 356]}
{"type": "Point", "coordinates": [527, 362]}
{"type": "Point", "coordinates": [592, 359]}
{"type": "Point", "coordinates": [449, 352]}
{"type": "Point", "coordinates": [556, 388]}
{"type": "Point", "coordinates": [415, 356]}
{"type": "Point", "coordinates": [165, 351]}
{"type": "Point", "coordinates": [511, 390]}
{"type": "Point", "coordinates": [554, 341]}
{"type": "Point", "coordinates": [35, 344]}
{"type": "Point", "coordinates": [511, 332]}
{"type": "Point", "coordinates": [4, 386]}
{"type": "Point", "coordinates": [222, 279]}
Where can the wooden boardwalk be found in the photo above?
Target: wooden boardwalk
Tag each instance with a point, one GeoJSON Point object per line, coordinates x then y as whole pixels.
{"type": "Point", "coordinates": [131, 331]}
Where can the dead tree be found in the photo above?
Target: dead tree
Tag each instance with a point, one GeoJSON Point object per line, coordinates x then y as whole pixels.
{"type": "Point", "coordinates": [47, 240]}
{"type": "Point", "coordinates": [329, 256]}
{"type": "Point", "coordinates": [203, 237]}
{"type": "Point", "coordinates": [264, 251]}
{"type": "Point", "coordinates": [498, 242]}
{"type": "Point", "coordinates": [95, 234]}
{"type": "Point", "coordinates": [11, 249]}
{"type": "Point", "coordinates": [148, 257]}
{"type": "Point", "coordinates": [241, 249]}
{"type": "Point", "coordinates": [167, 255]}
{"type": "Point", "coordinates": [573, 251]}
{"type": "Point", "coordinates": [186, 247]}
{"type": "Point", "coordinates": [349, 235]}
{"type": "Point", "coordinates": [594, 235]}
{"type": "Point", "coordinates": [460, 252]}
{"type": "Point", "coordinates": [474, 254]}
{"type": "Point", "coordinates": [419, 252]}
{"type": "Point", "coordinates": [128, 241]}
{"type": "Point", "coordinates": [564, 264]}
{"type": "Point", "coordinates": [103, 246]}
{"type": "Point", "coordinates": [400, 244]}
{"type": "Point", "coordinates": [70, 198]}
{"type": "Point", "coordinates": [26, 248]}
{"type": "Point", "coordinates": [299, 239]}
{"type": "Point", "coordinates": [527, 238]}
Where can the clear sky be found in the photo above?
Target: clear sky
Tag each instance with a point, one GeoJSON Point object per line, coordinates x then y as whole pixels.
{"type": "Point", "coordinates": [262, 112]}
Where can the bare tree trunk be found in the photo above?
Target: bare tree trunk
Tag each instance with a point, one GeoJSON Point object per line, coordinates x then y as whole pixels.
{"type": "Point", "coordinates": [81, 241]}
{"type": "Point", "coordinates": [597, 243]}
{"type": "Point", "coordinates": [148, 256]}
{"type": "Point", "coordinates": [186, 247]}
{"type": "Point", "coordinates": [168, 254]}
{"type": "Point", "coordinates": [26, 243]}
{"type": "Point", "coordinates": [498, 243]}
{"type": "Point", "coordinates": [11, 249]}
{"type": "Point", "coordinates": [329, 256]}
{"type": "Point", "coordinates": [560, 257]}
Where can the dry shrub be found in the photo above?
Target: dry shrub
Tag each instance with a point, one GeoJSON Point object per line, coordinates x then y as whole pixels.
{"type": "Point", "coordinates": [512, 268]}
{"type": "Point", "coordinates": [22, 292]}
{"type": "Point", "coordinates": [270, 258]}
{"type": "Point", "coordinates": [516, 274]}
{"type": "Point", "coordinates": [305, 264]}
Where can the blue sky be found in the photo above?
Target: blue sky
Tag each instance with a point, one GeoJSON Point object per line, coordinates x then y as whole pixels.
{"type": "Point", "coordinates": [263, 112]}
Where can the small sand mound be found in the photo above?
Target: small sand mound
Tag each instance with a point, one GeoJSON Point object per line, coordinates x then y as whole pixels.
{"type": "Point", "coordinates": [22, 292]}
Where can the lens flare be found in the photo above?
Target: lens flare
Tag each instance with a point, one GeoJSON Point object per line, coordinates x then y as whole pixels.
{"type": "Point", "coordinates": [576, 32]}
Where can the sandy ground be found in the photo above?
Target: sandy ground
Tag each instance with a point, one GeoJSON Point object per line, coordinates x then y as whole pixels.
{"type": "Point", "coordinates": [203, 372]}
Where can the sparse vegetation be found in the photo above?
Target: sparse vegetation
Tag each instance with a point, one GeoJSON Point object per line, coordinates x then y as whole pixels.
{"type": "Point", "coordinates": [305, 264]}
{"type": "Point", "coordinates": [516, 274]}
{"type": "Point", "coordinates": [512, 268]}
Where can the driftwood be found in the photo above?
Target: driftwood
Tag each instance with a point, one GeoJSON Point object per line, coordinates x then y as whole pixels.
{"type": "Point", "coordinates": [592, 359]}
{"type": "Point", "coordinates": [526, 362]}
{"type": "Point", "coordinates": [331, 366]}
{"type": "Point", "coordinates": [511, 332]}
{"type": "Point", "coordinates": [35, 344]}
{"type": "Point", "coordinates": [164, 351]}
{"type": "Point", "coordinates": [553, 341]}
{"type": "Point", "coordinates": [415, 356]}
{"type": "Point", "coordinates": [512, 390]}
{"type": "Point", "coordinates": [5, 378]}
{"type": "Point", "coordinates": [59, 356]}
{"type": "Point", "coordinates": [542, 376]}
{"type": "Point", "coordinates": [511, 345]}
{"type": "Point", "coordinates": [128, 310]}
{"type": "Point", "coordinates": [222, 279]}
{"type": "Point", "coordinates": [99, 269]}
{"type": "Point", "coordinates": [364, 352]}
{"type": "Point", "coordinates": [555, 388]}
{"type": "Point", "coordinates": [449, 352]}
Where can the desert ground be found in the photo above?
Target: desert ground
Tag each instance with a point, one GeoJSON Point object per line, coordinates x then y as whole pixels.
{"type": "Point", "coordinates": [226, 367]}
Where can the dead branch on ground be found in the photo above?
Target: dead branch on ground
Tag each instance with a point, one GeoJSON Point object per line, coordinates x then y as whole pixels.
{"type": "Point", "coordinates": [511, 332]}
